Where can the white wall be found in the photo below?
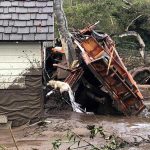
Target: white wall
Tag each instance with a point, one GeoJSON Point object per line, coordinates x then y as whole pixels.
{"type": "Point", "coordinates": [15, 61]}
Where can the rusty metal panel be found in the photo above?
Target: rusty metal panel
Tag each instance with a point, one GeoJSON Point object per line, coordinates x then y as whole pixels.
{"type": "Point", "coordinates": [125, 94]}
{"type": "Point", "coordinates": [93, 49]}
{"type": "Point", "coordinates": [74, 77]}
{"type": "Point", "coordinates": [107, 67]}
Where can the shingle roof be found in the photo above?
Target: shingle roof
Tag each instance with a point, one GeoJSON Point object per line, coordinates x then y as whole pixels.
{"type": "Point", "coordinates": [28, 20]}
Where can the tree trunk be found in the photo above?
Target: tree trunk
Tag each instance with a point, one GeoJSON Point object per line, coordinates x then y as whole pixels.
{"type": "Point", "coordinates": [66, 40]}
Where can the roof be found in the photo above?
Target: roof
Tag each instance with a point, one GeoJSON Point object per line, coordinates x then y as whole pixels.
{"type": "Point", "coordinates": [28, 20]}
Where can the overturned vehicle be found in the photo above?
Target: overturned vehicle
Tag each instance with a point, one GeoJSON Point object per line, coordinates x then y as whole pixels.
{"type": "Point", "coordinates": [100, 80]}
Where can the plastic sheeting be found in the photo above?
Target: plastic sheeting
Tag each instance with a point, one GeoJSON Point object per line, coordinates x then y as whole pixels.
{"type": "Point", "coordinates": [22, 105]}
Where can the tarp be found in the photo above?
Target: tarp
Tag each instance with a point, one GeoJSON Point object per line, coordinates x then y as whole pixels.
{"type": "Point", "coordinates": [22, 105]}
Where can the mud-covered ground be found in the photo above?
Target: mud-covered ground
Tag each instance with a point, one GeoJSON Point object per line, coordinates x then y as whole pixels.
{"type": "Point", "coordinates": [40, 136]}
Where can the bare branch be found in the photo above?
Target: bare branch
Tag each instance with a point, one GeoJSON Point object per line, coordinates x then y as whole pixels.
{"type": "Point", "coordinates": [132, 22]}
{"type": "Point", "coordinates": [13, 138]}
{"type": "Point", "coordinates": [139, 39]}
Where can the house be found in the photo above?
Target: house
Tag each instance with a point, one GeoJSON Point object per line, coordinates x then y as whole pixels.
{"type": "Point", "coordinates": [24, 28]}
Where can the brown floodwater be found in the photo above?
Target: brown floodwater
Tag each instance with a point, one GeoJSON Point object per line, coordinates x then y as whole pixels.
{"type": "Point", "coordinates": [41, 137]}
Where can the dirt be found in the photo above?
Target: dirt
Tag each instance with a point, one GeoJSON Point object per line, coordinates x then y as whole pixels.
{"type": "Point", "coordinates": [41, 136]}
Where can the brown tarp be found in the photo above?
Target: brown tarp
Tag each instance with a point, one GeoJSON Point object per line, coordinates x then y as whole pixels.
{"type": "Point", "coordinates": [22, 105]}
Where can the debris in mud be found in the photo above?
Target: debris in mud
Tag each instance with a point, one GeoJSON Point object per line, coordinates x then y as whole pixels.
{"type": "Point", "coordinates": [107, 141]}
{"type": "Point", "coordinates": [64, 87]}
{"type": "Point", "coordinates": [141, 75]}
{"type": "Point", "coordinates": [104, 78]}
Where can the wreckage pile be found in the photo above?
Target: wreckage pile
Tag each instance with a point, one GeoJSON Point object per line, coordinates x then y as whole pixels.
{"type": "Point", "coordinates": [100, 76]}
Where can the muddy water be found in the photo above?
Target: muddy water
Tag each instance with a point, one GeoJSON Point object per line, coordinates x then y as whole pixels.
{"type": "Point", "coordinates": [40, 137]}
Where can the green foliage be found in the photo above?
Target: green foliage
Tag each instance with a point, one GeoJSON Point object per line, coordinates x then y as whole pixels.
{"type": "Point", "coordinates": [2, 147]}
{"type": "Point", "coordinates": [94, 131]}
{"type": "Point", "coordinates": [90, 12]}
{"type": "Point", "coordinates": [71, 136]}
{"type": "Point", "coordinates": [114, 16]}
{"type": "Point", "coordinates": [75, 140]}
{"type": "Point", "coordinates": [56, 144]}
{"type": "Point", "coordinates": [113, 142]}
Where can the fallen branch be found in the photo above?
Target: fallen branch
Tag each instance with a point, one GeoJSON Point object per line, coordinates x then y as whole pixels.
{"type": "Point", "coordinates": [13, 138]}
{"type": "Point", "coordinates": [139, 39]}
{"type": "Point", "coordinates": [81, 139]}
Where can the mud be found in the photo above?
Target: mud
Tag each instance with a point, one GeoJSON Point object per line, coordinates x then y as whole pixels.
{"type": "Point", "coordinates": [40, 136]}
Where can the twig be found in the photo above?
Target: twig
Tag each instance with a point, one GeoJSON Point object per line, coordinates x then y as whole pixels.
{"type": "Point", "coordinates": [134, 135]}
{"type": "Point", "coordinates": [13, 138]}
{"type": "Point", "coordinates": [81, 147]}
{"type": "Point", "coordinates": [69, 148]}
{"type": "Point", "coordinates": [143, 139]}
{"type": "Point", "coordinates": [85, 140]}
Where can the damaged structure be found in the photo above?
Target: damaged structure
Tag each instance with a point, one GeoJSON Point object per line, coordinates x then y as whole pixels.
{"type": "Point", "coordinates": [25, 26]}
{"type": "Point", "coordinates": [102, 73]}
{"type": "Point", "coordinates": [99, 78]}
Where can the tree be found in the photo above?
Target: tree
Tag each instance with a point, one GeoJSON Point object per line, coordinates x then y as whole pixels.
{"type": "Point", "coordinates": [129, 19]}
{"type": "Point", "coordinates": [66, 40]}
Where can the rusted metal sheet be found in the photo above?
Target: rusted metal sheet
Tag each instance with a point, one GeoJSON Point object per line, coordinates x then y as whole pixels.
{"type": "Point", "coordinates": [93, 49]}
{"type": "Point", "coordinates": [74, 77]}
{"type": "Point", "coordinates": [128, 98]}
{"type": "Point", "coordinates": [106, 65]}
